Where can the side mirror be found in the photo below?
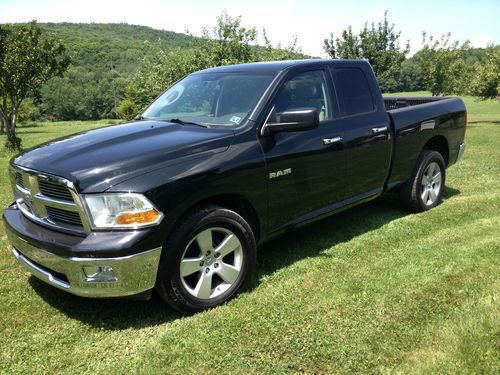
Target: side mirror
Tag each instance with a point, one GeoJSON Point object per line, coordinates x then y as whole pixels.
{"type": "Point", "coordinates": [294, 120]}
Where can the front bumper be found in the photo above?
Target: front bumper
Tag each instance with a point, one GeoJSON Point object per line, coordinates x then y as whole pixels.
{"type": "Point", "coordinates": [85, 276]}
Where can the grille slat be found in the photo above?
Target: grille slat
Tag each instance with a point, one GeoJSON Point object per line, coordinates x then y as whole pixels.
{"type": "Point", "coordinates": [64, 216]}
{"type": "Point", "coordinates": [53, 190]}
{"type": "Point", "coordinates": [48, 188]}
{"type": "Point", "coordinates": [19, 180]}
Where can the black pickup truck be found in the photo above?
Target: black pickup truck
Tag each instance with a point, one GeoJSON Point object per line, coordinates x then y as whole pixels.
{"type": "Point", "coordinates": [227, 158]}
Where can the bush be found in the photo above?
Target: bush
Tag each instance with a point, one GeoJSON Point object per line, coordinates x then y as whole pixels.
{"type": "Point", "coordinates": [28, 111]}
{"type": "Point", "coordinates": [128, 109]}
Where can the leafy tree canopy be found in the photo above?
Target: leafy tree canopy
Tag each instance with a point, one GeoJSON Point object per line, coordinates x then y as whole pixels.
{"type": "Point", "coordinates": [442, 65]}
{"type": "Point", "coordinates": [485, 83]}
{"type": "Point", "coordinates": [379, 44]}
{"type": "Point", "coordinates": [27, 60]}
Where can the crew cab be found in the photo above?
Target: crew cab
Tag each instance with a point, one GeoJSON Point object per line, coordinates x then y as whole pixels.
{"type": "Point", "coordinates": [178, 199]}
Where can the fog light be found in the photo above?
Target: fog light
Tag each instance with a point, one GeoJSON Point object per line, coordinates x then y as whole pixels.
{"type": "Point", "coordinates": [99, 274]}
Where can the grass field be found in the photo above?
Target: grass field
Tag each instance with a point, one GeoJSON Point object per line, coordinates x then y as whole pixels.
{"type": "Point", "coordinates": [371, 290]}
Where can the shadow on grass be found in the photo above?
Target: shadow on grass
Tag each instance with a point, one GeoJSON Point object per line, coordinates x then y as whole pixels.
{"type": "Point", "coordinates": [312, 240]}
{"type": "Point", "coordinates": [308, 241]}
{"type": "Point", "coordinates": [20, 131]}
{"type": "Point", "coordinates": [449, 192]}
{"type": "Point", "coordinates": [496, 122]}
{"type": "Point", "coordinates": [107, 313]}
{"type": "Point", "coordinates": [29, 125]}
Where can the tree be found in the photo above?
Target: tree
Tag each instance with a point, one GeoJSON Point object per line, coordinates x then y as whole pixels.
{"type": "Point", "coordinates": [409, 77]}
{"type": "Point", "coordinates": [272, 52]}
{"type": "Point", "coordinates": [486, 80]}
{"type": "Point", "coordinates": [228, 43]}
{"type": "Point", "coordinates": [379, 44]}
{"type": "Point", "coordinates": [349, 47]}
{"type": "Point", "coordinates": [442, 65]}
{"type": "Point", "coordinates": [2, 123]}
{"type": "Point", "coordinates": [27, 60]}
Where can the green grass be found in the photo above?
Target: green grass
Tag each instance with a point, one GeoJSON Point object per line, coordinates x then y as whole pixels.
{"type": "Point", "coordinates": [371, 290]}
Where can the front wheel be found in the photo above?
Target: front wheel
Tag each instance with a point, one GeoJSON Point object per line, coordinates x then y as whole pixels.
{"type": "Point", "coordinates": [424, 190]}
{"type": "Point", "coordinates": [207, 261]}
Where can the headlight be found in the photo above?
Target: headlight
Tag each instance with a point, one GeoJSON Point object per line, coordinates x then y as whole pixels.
{"type": "Point", "coordinates": [121, 210]}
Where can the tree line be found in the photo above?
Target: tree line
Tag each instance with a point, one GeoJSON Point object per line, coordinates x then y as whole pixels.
{"type": "Point", "coordinates": [81, 71]}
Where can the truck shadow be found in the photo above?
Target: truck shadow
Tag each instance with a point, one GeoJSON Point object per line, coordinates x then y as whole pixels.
{"type": "Point", "coordinates": [106, 313]}
{"type": "Point", "coordinates": [313, 239]}
{"type": "Point", "coordinates": [309, 241]}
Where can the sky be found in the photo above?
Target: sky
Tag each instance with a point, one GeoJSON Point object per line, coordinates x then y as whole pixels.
{"type": "Point", "coordinates": [311, 20]}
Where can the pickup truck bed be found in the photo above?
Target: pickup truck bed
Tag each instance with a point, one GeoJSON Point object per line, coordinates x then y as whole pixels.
{"type": "Point", "coordinates": [413, 119]}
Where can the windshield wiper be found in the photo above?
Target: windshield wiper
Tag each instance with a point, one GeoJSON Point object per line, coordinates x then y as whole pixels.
{"type": "Point", "coordinates": [182, 122]}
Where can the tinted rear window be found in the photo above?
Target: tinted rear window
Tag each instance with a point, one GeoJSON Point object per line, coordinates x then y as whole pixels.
{"type": "Point", "coordinates": [354, 91]}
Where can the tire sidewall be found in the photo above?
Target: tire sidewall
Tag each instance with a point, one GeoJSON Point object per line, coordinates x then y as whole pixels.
{"type": "Point", "coordinates": [169, 282]}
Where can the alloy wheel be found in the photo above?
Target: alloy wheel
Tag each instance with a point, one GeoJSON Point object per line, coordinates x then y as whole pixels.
{"type": "Point", "coordinates": [211, 263]}
{"type": "Point", "coordinates": [431, 183]}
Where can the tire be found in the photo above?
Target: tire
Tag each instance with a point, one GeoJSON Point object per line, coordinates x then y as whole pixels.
{"type": "Point", "coordinates": [424, 190]}
{"type": "Point", "coordinates": [208, 259]}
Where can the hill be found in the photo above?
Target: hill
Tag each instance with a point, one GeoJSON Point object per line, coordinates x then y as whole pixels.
{"type": "Point", "coordinates": [96, 45]}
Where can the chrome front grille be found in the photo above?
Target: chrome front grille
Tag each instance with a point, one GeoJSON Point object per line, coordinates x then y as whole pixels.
{"type": "Point", "coordinates": [49, 200]}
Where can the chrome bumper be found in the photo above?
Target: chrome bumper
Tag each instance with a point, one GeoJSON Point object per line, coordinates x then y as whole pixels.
{"type": "Point", "coordinates": [89, 277]}
{"type": "Point", "coordinates": [461, 150]}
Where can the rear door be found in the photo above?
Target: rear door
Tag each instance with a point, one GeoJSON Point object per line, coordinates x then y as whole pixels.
{"type": "Point", "coordinates": [304, 168]}
{"type": "Point", "coordinates": [367, 136]}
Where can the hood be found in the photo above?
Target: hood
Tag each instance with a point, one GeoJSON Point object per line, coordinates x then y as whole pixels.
{"type": "Point", "coordinates": [98, 159]}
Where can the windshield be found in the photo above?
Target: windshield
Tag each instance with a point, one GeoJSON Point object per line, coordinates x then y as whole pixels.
{"type": "Point", "coordinates": [224, 99]}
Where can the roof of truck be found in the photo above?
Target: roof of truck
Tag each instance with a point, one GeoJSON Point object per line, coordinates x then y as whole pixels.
{"type": "Point", "coordinates": [276, 66]}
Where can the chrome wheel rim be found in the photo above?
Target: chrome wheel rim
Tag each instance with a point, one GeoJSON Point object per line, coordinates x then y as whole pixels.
{"type": "Point", "coordinates": [431, 184]}
{"type": "Point", "coordinates": [211, 263]}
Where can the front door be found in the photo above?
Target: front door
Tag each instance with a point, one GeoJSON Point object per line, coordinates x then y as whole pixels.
{"type": "Point", "coordinates": [304, 169]}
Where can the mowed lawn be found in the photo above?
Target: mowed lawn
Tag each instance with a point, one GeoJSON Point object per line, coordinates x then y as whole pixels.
{"type": "Point", "coordinates": [371, 290]}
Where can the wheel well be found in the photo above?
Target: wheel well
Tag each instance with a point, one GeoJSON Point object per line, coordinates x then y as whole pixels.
{"type": "Point", "coordinates": [439, 144]}
{"type": "Point", "coordinates": [239, 205]}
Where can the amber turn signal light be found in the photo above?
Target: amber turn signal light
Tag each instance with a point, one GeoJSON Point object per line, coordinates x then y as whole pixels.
{"type": "Point", "coordinates": [138, 217]}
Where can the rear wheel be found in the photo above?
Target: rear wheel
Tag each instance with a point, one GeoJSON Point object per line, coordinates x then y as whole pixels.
{"type": "Point", "coordinates": [207, 261]}
{"type": "Point", "coordinates": [424, 189]}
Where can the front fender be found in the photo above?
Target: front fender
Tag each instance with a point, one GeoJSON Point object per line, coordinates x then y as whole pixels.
{"type": "Point", "coordinates": [238, 171]}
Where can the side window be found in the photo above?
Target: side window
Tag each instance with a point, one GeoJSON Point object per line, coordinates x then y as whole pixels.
{"type": "Point", "coordinates": [308, 89]}
{"type": "Point", "coordinates": [354, 92]}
